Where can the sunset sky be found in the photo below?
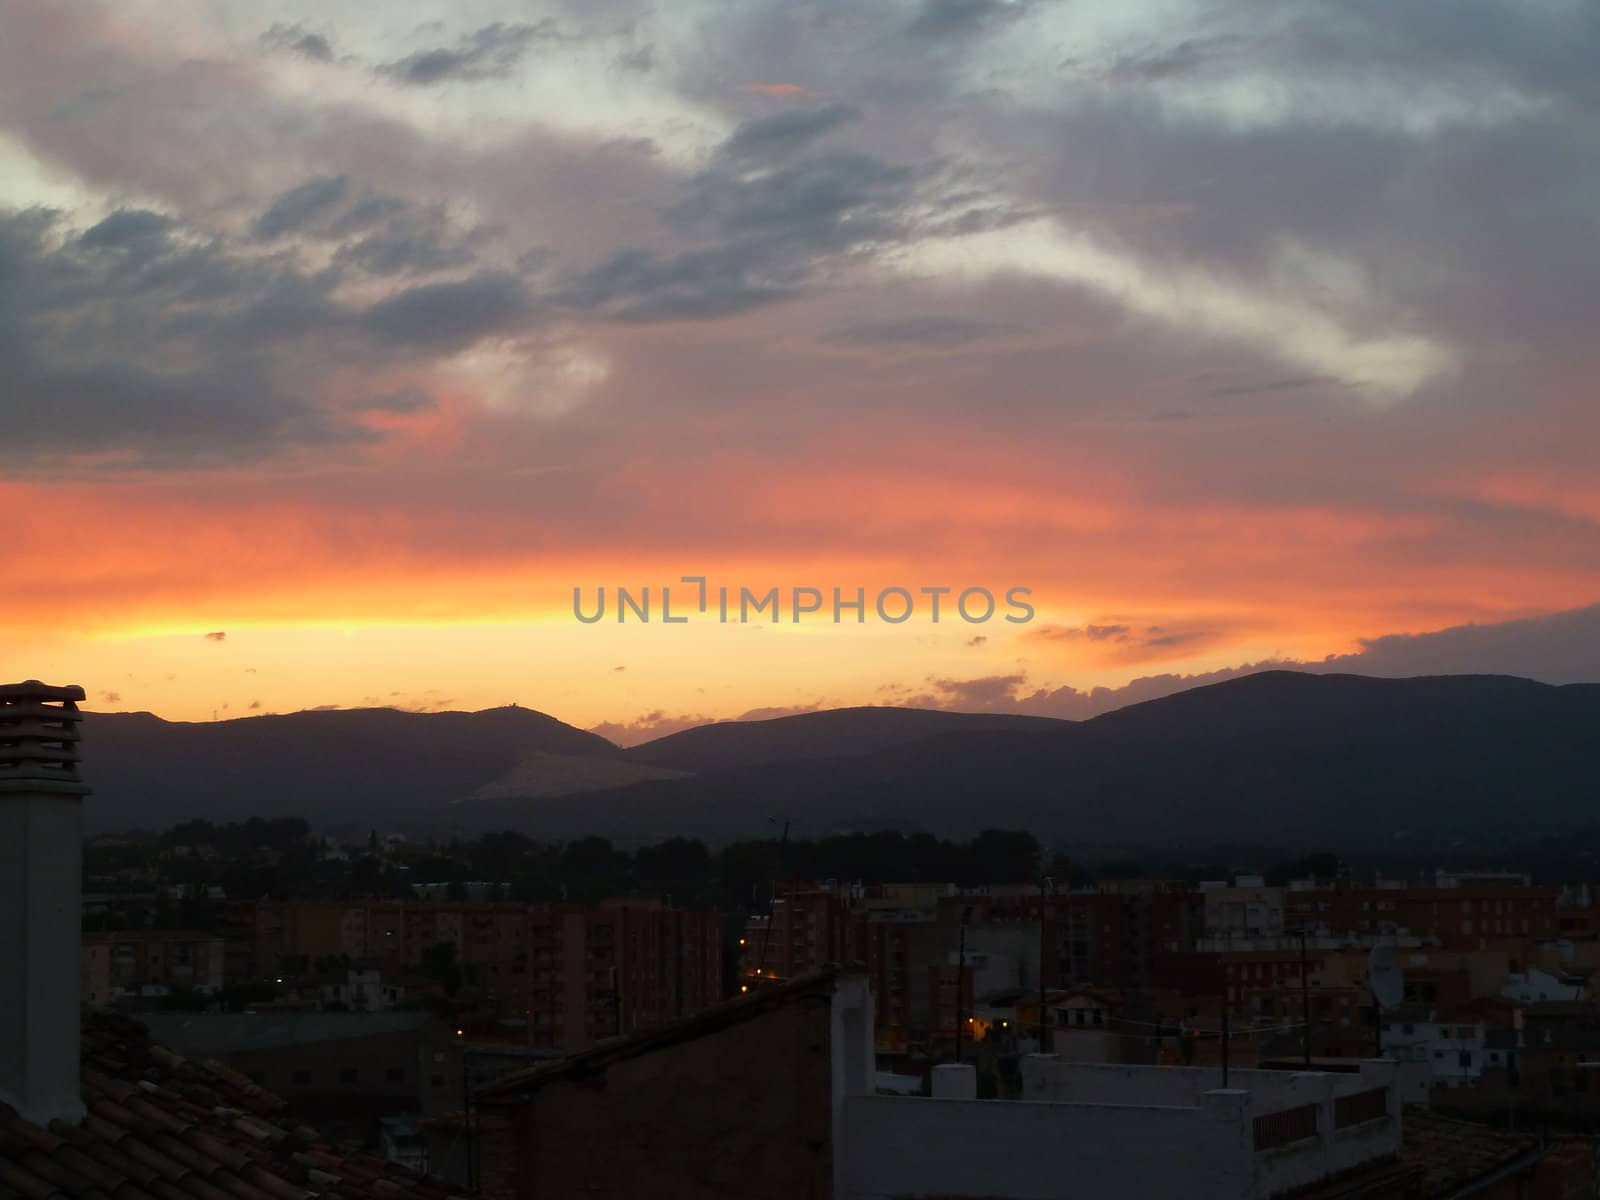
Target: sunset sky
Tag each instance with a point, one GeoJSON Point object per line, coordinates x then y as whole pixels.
{"type": "Point", "coordinates": [339, 342]}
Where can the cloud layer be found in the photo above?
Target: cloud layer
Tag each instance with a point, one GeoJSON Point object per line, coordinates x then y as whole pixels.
{"type": "Point", "coordinates": [1241, 334]}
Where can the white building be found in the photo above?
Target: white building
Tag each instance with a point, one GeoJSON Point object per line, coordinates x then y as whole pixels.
{"type": "Point", "coordinates": [1147, 1132]}
{"type": "Point", "coordinates": [361, 990]}
{"type": "Point", "coordinates": [1248, 909]}
{"type": "Point", "coordinates": [1535, 985]}
{"type": "Point", "coordinates": [1454, 1050]}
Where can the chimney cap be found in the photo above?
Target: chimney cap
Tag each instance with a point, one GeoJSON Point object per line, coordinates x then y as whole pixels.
{"type": "Point", "coordinates": [32, 689]}
{"type": "Point", "coordinates": [38, 739]}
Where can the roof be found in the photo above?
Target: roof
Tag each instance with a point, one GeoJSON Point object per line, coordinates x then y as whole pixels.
{"type": "Point", "coordinates": [1560, 1009]}
{"type": "Point", "coordinates": [163, 1127]}
{"type": "Point", "coordinates": [702, 1024]}
{"type": "Point", "coordinates": [1454, 1154]}
{"type": "Point", "coordinates": [112, 936]}
{"type": "Point", "coordinates": [214, 1035]}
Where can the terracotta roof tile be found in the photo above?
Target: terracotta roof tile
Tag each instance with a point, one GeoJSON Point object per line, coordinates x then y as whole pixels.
{"type": "Point", "coordinates": [160, 1126]}
{"type": "Point", "coordinates": [1456, 1153]}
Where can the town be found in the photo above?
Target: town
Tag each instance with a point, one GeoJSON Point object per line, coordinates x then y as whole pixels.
{"type": "Point", "coordinates": [402, 994]}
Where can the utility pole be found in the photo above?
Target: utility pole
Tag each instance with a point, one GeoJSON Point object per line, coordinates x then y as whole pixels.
{"type": "Point", "coordinates": [961, 974]}
{"type": "Point", "coordinates": [772, 900]}
{"type": "Point", "coordinates": [1046, 890]}
{"type": "Point", "coordinates": [1224, 1041]}
{"type": "Point", "coordinates": [1305, 996]}
{"type": "Point", "coordinates": [467, 1117]}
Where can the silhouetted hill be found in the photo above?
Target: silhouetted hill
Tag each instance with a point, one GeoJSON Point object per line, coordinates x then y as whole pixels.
{"type": "Point", "coordinates": [1289, 756]}
{"type": "Point", "coordinates": [373, 766]}
{"type": "Point", "coordinates": [832, 733]}
{"type": "Point", "coordinates": [1283, 757]}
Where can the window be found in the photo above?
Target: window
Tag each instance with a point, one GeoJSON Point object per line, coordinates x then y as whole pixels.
{"type": "Point", "coordinates": [394, 1075]}
{"type": "Point", "coordinates": [347, 1075]}
{"type": "Point", "coordinates": [300, 1078]}
{"type": "Point", "coordinates": [436, 1081]}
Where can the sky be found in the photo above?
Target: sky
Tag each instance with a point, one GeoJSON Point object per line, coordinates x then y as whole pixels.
{"type": "Point", "coordinates": [342, 342]}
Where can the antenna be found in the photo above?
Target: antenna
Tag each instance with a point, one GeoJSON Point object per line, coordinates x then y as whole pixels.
{"type": "Point", "coordinates": [1388, 983]}
{"type": "Point", "coordinates": [1388, 988]}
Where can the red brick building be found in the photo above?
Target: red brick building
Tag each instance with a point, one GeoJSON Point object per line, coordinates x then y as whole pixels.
{"type": "Point", "coordinates": [595, 973]}
{"type": "Point", "coordinates": [1469, 917]}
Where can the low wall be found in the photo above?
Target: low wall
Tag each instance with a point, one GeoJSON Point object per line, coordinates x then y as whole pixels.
{"type": "Point", "coordinates": [899, 1147]}
{"type": "Point", "coordinates": [1046, 1078]}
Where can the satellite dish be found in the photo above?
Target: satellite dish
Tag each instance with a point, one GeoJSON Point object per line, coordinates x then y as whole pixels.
{"type": "Point", "coordinates": [1388, 984]}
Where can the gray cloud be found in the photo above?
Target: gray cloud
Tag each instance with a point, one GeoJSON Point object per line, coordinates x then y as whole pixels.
{"type": "Point", "coordinates": [378, 233]}
{"type": "Point", "coordinates": [129, 340]}
{"type": "Point", "coordinates": [647, 726]}
{"type": "Point", "coordinates": [162, 345]}
{"type": "Point", "coordinates": [640, 285]}
{"type": "Point", "coordinates": [406, 400]}
{"type": "Point", "coordinates": [295, 39]}
{"type": "Point", "coordinates": [1559, 648]}
{"type": "Point", "coordinates": [294, 209]}
{"type": "Point", "coordinates": [422, 251]}
{"type": "Point", "coordinates": [964, 18]}
{"type": "Point", "coordinates": [1294, 383]}
{"type": "Point", "coordinates": [930, 329]}
{"type": "Point", "coordinates": [446, 316]}
{"type": "Point", "coordinates": [136, 230]}
{"type": "Point", "coordinates": [1184, 58]}
{"type": "Point", "coordinates": [1168, 640]}
{"type": "Point", "coordinates": [785, 132]}
{"type": "Point", "coordinates": [770, 210]}
{"type": "Point", "coordinates": [641, 59]}
{"type": "Point", "coordinates": [1092, 633]}
{"type": "Point", "coordinates": [492, 52]}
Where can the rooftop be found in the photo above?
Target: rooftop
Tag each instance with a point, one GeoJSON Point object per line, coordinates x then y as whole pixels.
{"type": "Point", "coordinates": [702, 1024]}
{"type": "Point", "coordinates": [207, 1034]}
{"type": "Point", "coordinates": [164, 1127]}
{"type": "Point", "coordinates": [1454, 1154]}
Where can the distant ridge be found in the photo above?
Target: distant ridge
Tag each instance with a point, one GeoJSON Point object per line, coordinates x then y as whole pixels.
{"type": "Point", "coordinates": [830, 733]}
{"type": "Point", "coordinates": [376, 766]}
{"type": "Point", "coordinates": [1279, 754]}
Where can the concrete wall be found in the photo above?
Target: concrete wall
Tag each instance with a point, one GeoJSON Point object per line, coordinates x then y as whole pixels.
{"type": "Point", "coordinates": [41, 889]}
{"type": "Point", "coordinates": [1272, 1172]}
{"type": "Point", "coordinates": [1045, 1078]}
{"type": "Point", "coordinates": [902, 1147]}
{"type": "Point", "coordinates": [1334, 1150]}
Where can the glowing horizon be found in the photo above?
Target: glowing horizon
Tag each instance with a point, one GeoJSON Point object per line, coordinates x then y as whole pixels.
{"type": "Point", "coordinates": [363, 338]}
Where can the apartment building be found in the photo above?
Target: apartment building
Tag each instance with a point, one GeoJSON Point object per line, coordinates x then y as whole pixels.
{"type": "Point", "coordinates": [140, 964]}
{"type": "Point", "coordinates": [525, 963]}
{"type": "Point", "coordinates": [1468, 915]}
{"type": "Point", "coordinates": [595, 973]}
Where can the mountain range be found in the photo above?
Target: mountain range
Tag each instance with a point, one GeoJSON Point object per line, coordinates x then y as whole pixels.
{"type": "Point", "coordinates": [1278, 756]}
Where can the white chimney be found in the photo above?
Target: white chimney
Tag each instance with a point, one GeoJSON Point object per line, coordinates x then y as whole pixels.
{"type": "Point", "coordinates": [41, 900]}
